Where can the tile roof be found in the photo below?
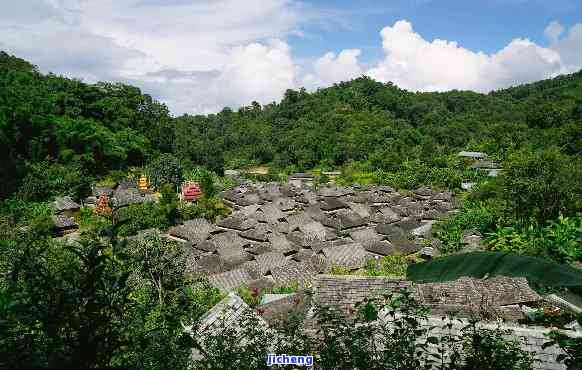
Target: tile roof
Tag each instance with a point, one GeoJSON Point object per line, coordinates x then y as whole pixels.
{"type": "Point", "coordinates": [472, 154]}
{"type": "Point", "coordinates": [284, 203]}
{"type": "Point", "coordinates": [299, 272]}
{"type": "Point", "coordinates": [344, 219]}
{"type": "Point", "coordinates": [259, 233]}
{"type": "Point", "coordinates": [352, 256]}
{"type": "Point", "coordinates": [65, 204]}
{"type": "Point", "coordinates": [385, 215]}
{"type": "Point", "coordinates": [267, 261]}
{"type": "Point", "coordinates": [102, 190]}
{"type": "Point", "coordinates": [239, 223]}
{"type": "Point", "coordinates": [229, 280]}
{"type": "Point", "coordinates": [195, 230]}
{"type": "Point", "coordinates": [229, 246]}
{"type": "Point", "coordinates": [126, 196]}
{"type": "Point", "coordinates": [205, 265]}
{"type": "Point", "coordinates": [64, 222]}
{"type": "Point", "coordinates": [332, 204]}
{"type": "Point", "coordinates": [270, 213]}
{"type": "Point", "coordinates": [226, 314]}
{"type": "Point", "coordinates": [281, 243]}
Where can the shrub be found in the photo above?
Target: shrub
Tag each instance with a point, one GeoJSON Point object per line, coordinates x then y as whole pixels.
{"type": "Point", "coordinates": [251, 296]}
{"type": "Point", "coordinates": [339, 270]}
{"type": "Point", "coordinates": [168, 204]}
{"type": "Point", "coordinates": [473, 215]}
{"type": "Point", "coordinates": [541, 184]}
{"type": "Point", "coordinates": [394, 265]}
{"type": "Point", "coordinates": [209, 209]}
{"type": "Point", "coordinates": [560, 239]}
{"type": "Point", "coordinates": [412, 174]}
{"type": "Point", "coordinates": [135, 217]}
{"type": "Point", "coordinates": [165, 169]}
{"type": "Point", "coordinates": [19, 210]}
{"type": "Point", "coordinates": [45, 180]}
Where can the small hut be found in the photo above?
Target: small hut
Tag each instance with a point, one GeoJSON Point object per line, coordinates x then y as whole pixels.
{"type": "Point", "coordinates": [63, 224]}
{"type": "Point", "coordinates": [66, 206]}
{"type": "Point", "coordinates": [492, 168]}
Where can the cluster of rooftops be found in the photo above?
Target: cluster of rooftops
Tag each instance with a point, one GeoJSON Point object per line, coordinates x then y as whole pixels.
{"type": "Point", "coordinates": [278, 234]}
{"type": "Point", "coordinates": [123, 194]}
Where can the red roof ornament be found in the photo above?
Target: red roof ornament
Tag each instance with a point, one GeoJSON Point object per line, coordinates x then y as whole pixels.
{"type": "Point", "coordinates": [191, 191]}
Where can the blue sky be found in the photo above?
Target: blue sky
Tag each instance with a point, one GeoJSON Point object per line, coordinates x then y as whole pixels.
{"type": "Point", "coordinates": [477, 25]}
{"type": "Point", "coordinates": [198, 56]}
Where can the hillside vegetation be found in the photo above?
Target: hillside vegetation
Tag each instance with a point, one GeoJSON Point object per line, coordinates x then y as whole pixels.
{"type": "Point", "coordinates": [105, 302]}
{"type": "Point", "coordinates": [59, 135]}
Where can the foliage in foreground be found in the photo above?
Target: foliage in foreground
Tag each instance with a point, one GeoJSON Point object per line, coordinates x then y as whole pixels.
{"type": "Point", "coordinates": [488, 264]}
{"type": "Point", "coordinates": [402, 340]}
{"type": "Point", "coordinates": [97, 305]}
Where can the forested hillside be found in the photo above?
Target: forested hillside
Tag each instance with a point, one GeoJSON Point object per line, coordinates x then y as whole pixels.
{"type": "Point", "coordinates": [107, 303]}
{"type": "Point", "coordinates": [103, 127]}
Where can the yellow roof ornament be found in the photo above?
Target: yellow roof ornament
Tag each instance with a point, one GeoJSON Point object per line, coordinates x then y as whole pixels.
{"type": "Point", "coordinates": [143, 183]}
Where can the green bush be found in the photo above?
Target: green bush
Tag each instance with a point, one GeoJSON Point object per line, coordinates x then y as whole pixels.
{"type": "Point", "coordinates": [135, 217]}
{"type": "Point", "coordinates": [542, 184]}
{"type": "Point", "coordinates": [473, 215]}
{"type": "Point", "coordinates": [339, 270]}
{"type": "Point", "coordinates": [560, 239]}
{"type": "Point", "coordinates": [209, 209]}
{"type": "Point", "coordinates": [45, 180]}
{"type": "Point", "coordinates": [165, 169]}
{"type": "Point", "coordinates": [19, 210]}
{"type": "Point", "coordinates": [413, 174]}
{"type": "Point", "coordinates": [394, 265]}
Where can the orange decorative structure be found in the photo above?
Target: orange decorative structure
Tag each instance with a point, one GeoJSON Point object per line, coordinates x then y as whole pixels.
{"type": "Point", "coordinates": [102, 207]}
{"type": "Point", "coordinates": [191, 191]}
{"type": "Point", "coordinates": [143, 183]}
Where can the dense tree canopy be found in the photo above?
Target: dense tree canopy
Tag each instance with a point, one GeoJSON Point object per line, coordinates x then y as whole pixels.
{"type": "Point", "coordinates": [102, 127]}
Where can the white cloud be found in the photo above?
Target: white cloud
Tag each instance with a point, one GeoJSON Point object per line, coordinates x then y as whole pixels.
{"type": "Point", "coordinates": [182, 51]}
{"type": "Point", "coordinates": [417, 64]}
{"type": "Point", "coordinates": [332, 68]}
{"type": "Point", "coordinates": [256, 72]}
{"type": "Point", "coordinates": [553, 31]}
{"type": "Point", "coordinates": [570, 49]}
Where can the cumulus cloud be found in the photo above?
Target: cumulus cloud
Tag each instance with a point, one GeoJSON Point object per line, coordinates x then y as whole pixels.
{"type": "Point", "coordinates": [417, 64]}
{"type": "Point", "coordinates": [570, 49]}
{"type": "Point", "coordinates": [181, 51]}
{"type": "Point", "coordinates": [256, 72]}
{"type": "Point", "coordinates": [332, 68]}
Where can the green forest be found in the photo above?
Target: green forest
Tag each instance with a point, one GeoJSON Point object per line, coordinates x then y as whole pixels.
{"type": "Point", "coordinates": [112, 304]}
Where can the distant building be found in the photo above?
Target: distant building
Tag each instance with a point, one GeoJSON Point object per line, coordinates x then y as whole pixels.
{"type": "Point", "coordinates": [66, 206]}
{"type": "Point", "coordinates": [467, 185]}
{"type": "Point", "coordinates": [232, 173]}
{"type": "Point", "coordinates": [63, 224]}
{"type": "Point", "coordinates": [300, 179]}
{"type": "Point", "coordinates": [492, 168]}
{"type": "Point", "coordinates": [473, 155]}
